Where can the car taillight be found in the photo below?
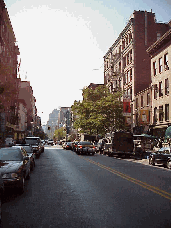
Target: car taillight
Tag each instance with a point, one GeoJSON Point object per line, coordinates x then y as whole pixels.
{"type": "Point", "coordinates": [81, 147]}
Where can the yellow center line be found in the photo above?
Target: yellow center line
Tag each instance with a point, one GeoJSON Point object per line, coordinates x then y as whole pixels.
{"type": "Point", "coordinates": [154, 189]}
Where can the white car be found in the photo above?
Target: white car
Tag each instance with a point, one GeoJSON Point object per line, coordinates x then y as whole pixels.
{"type": "Point", "coordinates": [9, 141]}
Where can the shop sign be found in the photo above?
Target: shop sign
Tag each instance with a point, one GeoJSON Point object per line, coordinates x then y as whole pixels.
{"type": "Point", "coordinates": [126, 107]}
{"type": "Point", "coordinates": [144, 116]}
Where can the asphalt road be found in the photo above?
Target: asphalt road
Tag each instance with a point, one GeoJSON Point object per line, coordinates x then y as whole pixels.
{"type": "Point", "coordinates": [68, 190]}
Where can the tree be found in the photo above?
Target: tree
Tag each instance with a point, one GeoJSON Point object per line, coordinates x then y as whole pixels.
{"type": "Point", "coordinates": [99, 112]}
{"type": "Point", "coordinates": [59, 134]}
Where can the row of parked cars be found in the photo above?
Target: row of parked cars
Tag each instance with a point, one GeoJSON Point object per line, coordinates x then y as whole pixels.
{"type": "Point", "coordinates": [17, 162]}
{"type": "Point", "coordinates": [82, 147]}
{"type": "Point", "coordinates": [161, 156]}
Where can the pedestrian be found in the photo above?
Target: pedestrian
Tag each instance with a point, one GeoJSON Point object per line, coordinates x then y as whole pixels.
{"type": "Point", "coordinates": [160, 143]}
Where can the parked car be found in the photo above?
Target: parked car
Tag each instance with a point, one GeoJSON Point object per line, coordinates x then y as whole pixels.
{"type": "Point", "coordinates": [74, 145]}
{"type": "Point", "coordinates": [85, 147]}
{"type": "Point", "coordinates": [30, 153]}
{"type": "Point", "coordinates": [1, 188]}
{"type": "Point", "coordinates": [42, 146]}
{"type": "Point", "coordinates": [15, 167]}
{"type": "Point", "coordinates": [50, 142]}
{"type": "Point", "coordinates": [64, 145]}
{"type": "Point", "coordinates": [9, 141]}
{"type": "Point", "coordinates": [35, 142]}
{"type": "Point", "coordinates": [68, 146]}
{"type": "Point", "coordinates": [162, 156]}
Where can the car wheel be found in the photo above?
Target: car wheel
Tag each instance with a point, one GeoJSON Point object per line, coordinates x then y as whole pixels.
{"type": "Point", "coordinates": [28, 175]}
{"type": "Point", "coordinates": [150, 161]}
{"type": "Point", "coordinates": [22, 185]}
{"type": "Point", "coordinates": [168, 164]}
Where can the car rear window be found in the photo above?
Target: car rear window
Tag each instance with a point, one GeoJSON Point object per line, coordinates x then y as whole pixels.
{"type": "Point", "coordinates": [11, 154]}
{"type": "Point", "coordinates": [86, 143]}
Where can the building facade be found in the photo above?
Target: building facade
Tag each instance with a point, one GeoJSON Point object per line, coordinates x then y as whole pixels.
{"type": "Point", "coordinates": [127, 64]}
{"type": "Point", "coordinates": [160, 53]}
{"type": "Point", "coordinates": [8, 76]}
{"type": "Point", "coordinates": [26, 93]}
{"type": "Point", "coordinates": [143, 111]}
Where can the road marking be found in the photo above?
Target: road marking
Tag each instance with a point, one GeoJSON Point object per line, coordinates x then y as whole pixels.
{"type": "Point", "coordinates": [154, 189]}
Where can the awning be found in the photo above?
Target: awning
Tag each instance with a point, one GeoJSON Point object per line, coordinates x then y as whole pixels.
{"type": "Point", "coordinates": [168, 132]}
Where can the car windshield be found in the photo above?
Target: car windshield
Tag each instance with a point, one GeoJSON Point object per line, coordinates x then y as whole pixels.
{"type": "Point", "coordinates": [10, 154]}
{"type": "Point", "coordinates": [32, 141]}
{"type": "Point", "coordinates": [28, 149]}
{"type": "Point", "coordinates": [164, 150]}
{"type": "Point", "coordinates": [85, 143]}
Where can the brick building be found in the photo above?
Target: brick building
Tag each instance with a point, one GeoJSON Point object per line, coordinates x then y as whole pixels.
{"type": "Point", "coordinates": [160, 53]}
{"type": "Point", "coordinates": [126, 64]}
{"type": "Point", "coordinates": [9, 52]}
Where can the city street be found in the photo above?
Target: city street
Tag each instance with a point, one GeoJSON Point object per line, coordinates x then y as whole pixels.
{"type": "Point", "coordinates": [69, 190]}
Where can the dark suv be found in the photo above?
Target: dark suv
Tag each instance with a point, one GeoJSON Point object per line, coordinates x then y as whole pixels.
{"type": "Point", "coordinates": [35, 142]}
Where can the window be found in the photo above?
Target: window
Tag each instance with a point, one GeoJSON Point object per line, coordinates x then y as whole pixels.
{"type": "Point", "coordinates": [155, 91]}
{"type": "Point", "coordinates": [119, 66]}
{"type": "Point", "coordinates": [166, 112]}
{"type": "Point", "coordinates": [131, 56]}
{"type": "Point", "coordinates": [131, 93]}
{"type": "Point", "coordinates": [127, 40]}
{"type": "Point", "coordinates": [141, 101]}
{"type": "Point", "coordinates": [136, 104]}
{"type": "Point", "coordinates": [158, 35]}
{"type": "Point", "coordinates": [154, 68]}
{"type": "Point", "coordinates": [130, 37]}
{"type": "Point", "coordinates": [124, 62]}
{"type": "Point", "coordinates": [148, 98]}
{"type": "Point", "coordinates": [127, 57]}
{"type": "Point", "coordinates": [124, 79]}
{"type": "Point", "coordinates": [161, 113]}
{"type": "Point", "coordinates": [123, 44]}
{"type": "Point", "coordinates": [128, 74]}
{"type": "Point", "coordinates": [120, 49]}
{"type": "Point", "coordinates": [160, 89]}
{"type": "Point", "coordinates": [160, 65]}
{"type": "Point", "coordinates": [166, 86]}
{"type": "Point", "coordinates": [155, 115]}
{"type": "Point", "coordinates": [131, 74]}
{"type": "Point", "coordinates": [166, 63]}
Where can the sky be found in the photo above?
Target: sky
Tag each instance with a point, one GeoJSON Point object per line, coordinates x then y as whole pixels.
{"type": "Point", "coordinates": [62, 43]}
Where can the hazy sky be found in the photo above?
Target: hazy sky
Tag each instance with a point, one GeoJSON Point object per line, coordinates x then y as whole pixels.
{"type": "Point", "coordinates": [62, 41]}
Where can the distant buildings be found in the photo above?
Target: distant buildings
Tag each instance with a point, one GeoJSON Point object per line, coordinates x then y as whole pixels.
{"type": "Point", "coordinates": [52, 123]}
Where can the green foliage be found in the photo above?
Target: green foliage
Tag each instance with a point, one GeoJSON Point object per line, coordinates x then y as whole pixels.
{"type": "Point", "coordinates": [99, 112]}
{"type": "Point", "coordinates": [59, 134]}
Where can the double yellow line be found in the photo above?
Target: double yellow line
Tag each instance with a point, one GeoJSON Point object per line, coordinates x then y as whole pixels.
{"type": "Point", "coordinates": [151, 188]}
